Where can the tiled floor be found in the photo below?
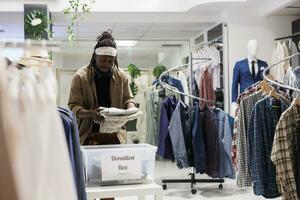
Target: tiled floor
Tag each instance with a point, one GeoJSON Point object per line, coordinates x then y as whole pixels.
{"type": "Point", "coordinates": [205, 190]}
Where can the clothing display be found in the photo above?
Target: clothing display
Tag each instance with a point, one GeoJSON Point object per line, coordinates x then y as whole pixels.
{"type": "Point", "coordinates": [214, 65]}
{"type": "Point", "coordinates": [242, 77]}
{"type": "Point", "coordinates": [281, 50]}
{"type": "Point", "coordinates": [258, 117]}
{"type": "Point", "coordinates": [261, 130]}
{"type": "Point", "coordinates": [36, 146]}
{"type": "Point", "coordinates": [153, 101]}
{"type": "Point", "coordinates": [200, 139]}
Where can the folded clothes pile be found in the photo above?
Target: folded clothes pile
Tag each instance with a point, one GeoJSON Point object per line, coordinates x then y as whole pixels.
{"type": "Point", "coordinates": [115, 119]}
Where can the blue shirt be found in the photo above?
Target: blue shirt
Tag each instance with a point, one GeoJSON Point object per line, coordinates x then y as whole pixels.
{"type": "Point", "coordinates": [261, 131]}
{"type": "Point", "coordinates": [165, 148]}
{"type": "Point", "coordinates": [225, 143]}
{"type": "Point", "coordinates": [176, 128]}
{"type": "Point", "coordinates": [72, 135]}
{"type": "Point", "coordinates": [198, 141]}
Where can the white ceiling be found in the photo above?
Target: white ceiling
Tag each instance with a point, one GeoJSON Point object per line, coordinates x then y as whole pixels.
{"type": "Point", "coordinates": [291, 10]}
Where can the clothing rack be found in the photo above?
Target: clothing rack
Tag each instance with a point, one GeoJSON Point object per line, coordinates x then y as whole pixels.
{"type": "Point", "coordinates": [193, 179]}
{"type": "Point", "coordinates": [288, 37]}
{"type": "Point", "coordinates": [31, 44]}
{"type": "Point", "coordinates": [275, 64]}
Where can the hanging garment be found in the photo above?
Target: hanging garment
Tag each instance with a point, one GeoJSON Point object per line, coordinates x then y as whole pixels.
{"type": "Point", "coordinates": [242, 77]}
{"type": "Point", "coordinates": [285, 153]}
{"type": "Point", "coordinates": [236, 127]}
{"type": "Point", "coordinates": [198, 141]}
{"type": "Point", "coordinates": [225, 145]}
{"type": "Point", "coordinates": [177, 135]}
{"type": "Point", "coordinates": [72, 132]}
{"type": "Point", "coordinates": [280, 52]}
{"type": "Point", "coordinates": [172, 82]}
{"type": "Point", "coordinates": [261, 130]}
{"type": "Point", "coordinates": [207, 91]}
{"type": "Point", "coordinates": [37, 145]}
{"type": "Point", "coordinates": [153, 107]}
{"type": "Point", "coordinates": [295, 61]}
{"type": "Point", "coordinates": [246, 106]}
{"type": "Point", "coordinates": [165, 148]}
{"type": "Point", "coordinates": [295, 82]}
{"type": "Point", "coordinates": [182, 78]}
{"type": "Point", "coordinates": [211, 140]}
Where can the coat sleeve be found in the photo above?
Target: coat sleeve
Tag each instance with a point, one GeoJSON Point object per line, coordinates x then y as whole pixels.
{"type": "Point", "coordinates": [127, 94]}
{"type": "Point", "coordinates": [75, 102]}
{"type": "Point", "coordinates": [235, 83]}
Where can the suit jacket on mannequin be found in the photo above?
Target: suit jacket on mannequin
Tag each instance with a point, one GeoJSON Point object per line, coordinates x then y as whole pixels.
{"type": "Point", "coordinates": [243, 77]}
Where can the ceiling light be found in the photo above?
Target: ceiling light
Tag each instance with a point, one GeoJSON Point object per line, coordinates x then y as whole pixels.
{"type": "Point", "coordinates": [126, 43]}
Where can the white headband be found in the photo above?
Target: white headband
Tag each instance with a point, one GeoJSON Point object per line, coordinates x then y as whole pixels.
{"type": "Point", "coordinates": [107, 51]}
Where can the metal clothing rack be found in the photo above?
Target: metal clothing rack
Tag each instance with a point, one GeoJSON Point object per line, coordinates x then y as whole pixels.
{"type": "Point", "coordinates": [288, 37]}
{"type": "Point", "coordinates": [277, 83]}
{"type": "Point", "coordinates": [193, 179]}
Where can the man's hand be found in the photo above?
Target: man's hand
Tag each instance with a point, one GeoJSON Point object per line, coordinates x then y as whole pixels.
{"type": "Point", "coordinates": [95, 115]}
{"type": "Point", "coordinates": [130, 105]}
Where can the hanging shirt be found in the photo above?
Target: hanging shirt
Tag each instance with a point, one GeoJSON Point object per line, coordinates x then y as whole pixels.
{"type": "Point", "coordinates": [225, 144]}
{"type": "Point", "coordinates": [70, 124]}
{"type": "Point", "coordinates": [165, 148]}
{"type": "Point", "coordinates": [176, 129]}
{"type": "Point", "coordinates": [198, 141]}
{"type": "Point", "coordinates": [285, 153]}
{"type": "Point", "coordinates": [261, 132]}
{"type": "Point", "coordinates": [211, 139]}
{"type": "Point", "coordinates": [247, 104]}
{"type": "Point", "coordinates": [207, 91]}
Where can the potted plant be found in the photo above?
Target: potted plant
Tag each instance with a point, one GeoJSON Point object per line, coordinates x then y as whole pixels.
{"type": "Point", "coordinates": [158, 70]}
{"type": "Point", "coordinates": [134, 72]}
{"type": "Point", "coordinates": [76, 10]}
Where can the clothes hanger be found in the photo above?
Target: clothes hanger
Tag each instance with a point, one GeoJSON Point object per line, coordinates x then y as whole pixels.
{"type": "Point", "coordinates": [296, 101]}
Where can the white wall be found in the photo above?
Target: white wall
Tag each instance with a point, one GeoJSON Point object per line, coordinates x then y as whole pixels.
{"type": "Point", "coordinates": [243, 26]}
{"type": "Point", "coordinates": [173, 59]}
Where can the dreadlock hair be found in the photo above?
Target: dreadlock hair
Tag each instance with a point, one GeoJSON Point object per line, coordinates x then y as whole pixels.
{"type": "Point", "coordinates": [105, 40]}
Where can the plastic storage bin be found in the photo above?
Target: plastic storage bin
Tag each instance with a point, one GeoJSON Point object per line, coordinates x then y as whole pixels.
{"type": "Point", "coordinates": [118, 164]}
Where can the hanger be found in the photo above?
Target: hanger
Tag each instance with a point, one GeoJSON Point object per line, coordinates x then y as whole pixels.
{"type": "Point", "coordinates": [264, 87]}
{"type": "Point", "coordinates": [274, 94]}
{"type": "Point", "coordinates": [296, 101]}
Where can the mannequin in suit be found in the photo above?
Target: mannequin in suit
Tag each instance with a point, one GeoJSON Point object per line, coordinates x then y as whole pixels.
{"type": "Point", "coordinates": [247, 71]}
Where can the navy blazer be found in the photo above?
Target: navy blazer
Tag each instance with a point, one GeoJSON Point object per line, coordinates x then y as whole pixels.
{"type": "Point", "coordinates": [243, 77]}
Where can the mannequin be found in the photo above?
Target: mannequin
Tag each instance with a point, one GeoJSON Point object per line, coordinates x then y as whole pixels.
{"type": "Point", "coordinates": [243, 75]}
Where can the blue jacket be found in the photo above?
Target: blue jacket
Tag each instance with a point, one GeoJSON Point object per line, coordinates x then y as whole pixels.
{"type": "Point", "coordinates": [242, 76]}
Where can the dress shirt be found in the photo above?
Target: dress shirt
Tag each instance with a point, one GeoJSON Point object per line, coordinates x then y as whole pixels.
{"type": "Point", "coordinates": [261, 130]}
{"type": "Point", "coordinates": [285, 153]}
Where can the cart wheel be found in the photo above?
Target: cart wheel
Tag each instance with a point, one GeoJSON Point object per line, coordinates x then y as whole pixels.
{"type": "Point", "coordinates": [164, 186]}
{"type": "Point", "coordinates": [194, 191]}
{"type": "Point", "coordinates": [220, 186]}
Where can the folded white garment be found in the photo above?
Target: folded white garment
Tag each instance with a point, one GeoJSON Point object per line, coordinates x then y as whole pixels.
{"type": "Point", "coordinates": [113, 123]}
{"type": "Point", "coordinates": [119, 112]}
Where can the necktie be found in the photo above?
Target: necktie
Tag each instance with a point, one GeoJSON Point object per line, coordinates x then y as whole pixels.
{"type": "Point", "coordinates": [253, 70]}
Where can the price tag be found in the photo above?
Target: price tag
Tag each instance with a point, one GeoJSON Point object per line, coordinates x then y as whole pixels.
{"type": "Point", "coordinates": [120, 165]}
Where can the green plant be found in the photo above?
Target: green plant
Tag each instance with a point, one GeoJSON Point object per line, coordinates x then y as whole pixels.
{"type": "Point", "coordinates": [77, 9]}
{"type": "Point", "coordinates": [158, 70]}
{"type": "Point", "coordinates": [36, 25]}
{"type": "Point", "coordinates": [134, 72]}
